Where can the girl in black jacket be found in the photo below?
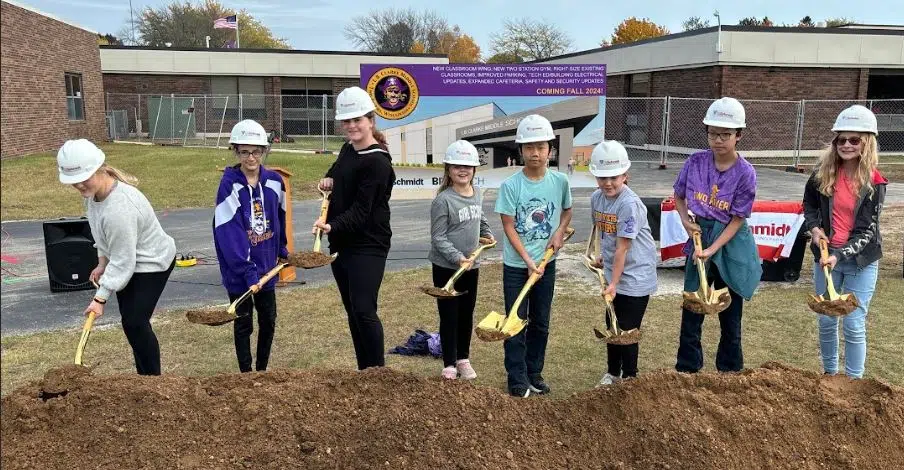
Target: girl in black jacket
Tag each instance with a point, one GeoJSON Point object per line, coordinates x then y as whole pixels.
{"type": "Point", "coordinates": [842, 202]}
{"type": "Point", "coordinates": [361, 180]}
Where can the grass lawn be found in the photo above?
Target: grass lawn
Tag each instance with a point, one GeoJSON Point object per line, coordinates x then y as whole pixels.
{"type": "Point", "coordinates": [171, 177]}
{"type": "Point", "coordinates": [312, 331]}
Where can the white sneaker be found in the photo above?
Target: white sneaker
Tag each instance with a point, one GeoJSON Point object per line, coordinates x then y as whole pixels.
{"type": "Point", "coordinates": [608, 379]}
{"type": "Point", "coordinates": [464, 368]}
{"type": "Point", "coordinates": [449, 373]}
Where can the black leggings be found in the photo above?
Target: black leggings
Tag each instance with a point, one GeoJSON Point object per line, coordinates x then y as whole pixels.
{"type": "Point", "coordinates": [629, 311]}
{"type": "Point", "coordinates": [358, 277]}
{"type": "Point", "coordinates": [137, 302]}
{"type": "Point", "coordinates": [456, 314]}
{"type": "Point", "coordinates": [265, 304]}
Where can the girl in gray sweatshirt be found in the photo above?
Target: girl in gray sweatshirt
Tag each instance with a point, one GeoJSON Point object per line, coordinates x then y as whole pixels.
{"type": "Point", "coordinates": [134, 255]}
{"type": "Point", "coordinates": [457, 223]}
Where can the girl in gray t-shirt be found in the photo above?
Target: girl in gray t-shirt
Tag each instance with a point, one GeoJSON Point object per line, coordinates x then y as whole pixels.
{"type": "Point", "coordinates": [457, 222]}
{"type": "Point", "coordinates": [627, 251]}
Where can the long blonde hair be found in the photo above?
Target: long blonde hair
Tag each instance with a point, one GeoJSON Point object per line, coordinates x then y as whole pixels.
{"type": "Point", "coordinates": [118, 174]}
{"type": "Point", "coordinates": [447, 179]}
{"type": "Point", "coordinates": [830, 161]}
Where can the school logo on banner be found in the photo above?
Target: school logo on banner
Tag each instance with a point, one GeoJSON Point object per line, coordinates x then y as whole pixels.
{"type": "Point", "coordinates": [394, 92]}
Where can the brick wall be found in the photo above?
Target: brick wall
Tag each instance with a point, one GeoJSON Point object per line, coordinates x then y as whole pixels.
{"type": "Point", "coordinates": [36, 53]}
{"type": "Point", "coordinates": [687, 83]}
{"type": "Point", "coordinates": [340, 84]}
{"type": "Point", "coordinates": [131, 92]}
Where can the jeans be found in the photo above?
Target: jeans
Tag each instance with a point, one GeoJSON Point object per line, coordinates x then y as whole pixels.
{"type": "Point", "coordinates": [847, 278]}
{"type": "Point", "coordinates": [525, 352]}
{"type": "Point", "coordinates": [456, 314]}
{"type": "Point", "coordinates": [729, 355]}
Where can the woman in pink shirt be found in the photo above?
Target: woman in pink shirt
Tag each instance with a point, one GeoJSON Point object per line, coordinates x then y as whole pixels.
{"type": "Point", "coordinates": [842, 202]}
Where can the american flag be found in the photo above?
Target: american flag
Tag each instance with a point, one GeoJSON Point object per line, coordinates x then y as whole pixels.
{"type": "Point", "coordinates": [230, 22]}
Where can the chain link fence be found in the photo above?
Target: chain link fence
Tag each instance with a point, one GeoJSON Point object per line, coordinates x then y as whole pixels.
{"type": "Point", "coordinates": [663, 131]}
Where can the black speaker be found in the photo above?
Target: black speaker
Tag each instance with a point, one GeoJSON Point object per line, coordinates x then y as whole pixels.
{"type": "Point", "coordinates": [71, 256]}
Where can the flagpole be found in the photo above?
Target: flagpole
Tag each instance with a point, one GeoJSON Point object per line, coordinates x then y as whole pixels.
{"type": "Point", "coordinates": [236, 30]}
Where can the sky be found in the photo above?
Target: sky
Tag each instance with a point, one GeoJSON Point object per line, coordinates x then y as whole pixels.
{"type": "Point", "coordinates": [318, 24]}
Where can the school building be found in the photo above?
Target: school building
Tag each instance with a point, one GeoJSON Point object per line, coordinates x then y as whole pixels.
{"type": "Point", "coordinates": [52, 88]}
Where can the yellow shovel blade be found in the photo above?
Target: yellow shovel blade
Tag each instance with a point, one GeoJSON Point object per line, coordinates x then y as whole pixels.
{"type": "Point", "coordinates": [513, 325]}
{"type": "Point", "coordinates": [490, 328]}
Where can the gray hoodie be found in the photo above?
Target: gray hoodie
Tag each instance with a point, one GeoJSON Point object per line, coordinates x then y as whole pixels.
{"type": "Point", "coordinates": [456, 224]}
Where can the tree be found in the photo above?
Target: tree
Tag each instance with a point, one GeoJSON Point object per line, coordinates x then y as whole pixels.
{"type": "Point", "coordinates": [530, 40]}
{"type": "Point", "coordinates": [463, 49]}
{"type": "Point", "coordinates": [505, 58]}
{"type": "Point", "coordinates": [633, 29]}
{"type": "Point", "coordinates": [835, 22]}
{"type": "Point", "coordinates": [108, 39]}
{"type": "Point", "coordinates": [806, 22]}
{"type": "Point", "coordinates": [187, 24]}
{"type": "Point", "coordinates": [398, 37]}
{"type": "Point", "coordinates": [386, 31]}
{"type": "Point", "coordinates": [753, 21]}
{"type": "Point", "coordinates": [694, 23]}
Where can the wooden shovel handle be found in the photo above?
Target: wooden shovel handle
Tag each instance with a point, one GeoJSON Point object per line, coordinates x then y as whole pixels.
{"type": "Point", "coordinates": [701, 268]}
{"type": "Point", "coordinates": [324, 207]}
{"type": "Point", "coordinates": [86, 332]}
{"type": "Point", "coordinates": [484, 244]}
{"type": "Point", "coordinates": [823, 249]}
{"type": "Point", "coordinates": [260, 283]}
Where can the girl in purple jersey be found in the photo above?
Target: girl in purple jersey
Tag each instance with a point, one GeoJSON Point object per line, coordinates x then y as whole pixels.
{"type": "Point", "coordinates": [718, 187]}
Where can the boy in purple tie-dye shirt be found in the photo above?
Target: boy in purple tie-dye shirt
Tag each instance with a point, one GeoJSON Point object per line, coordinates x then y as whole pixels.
{"type": "Point", "coordinates": [718, 187]}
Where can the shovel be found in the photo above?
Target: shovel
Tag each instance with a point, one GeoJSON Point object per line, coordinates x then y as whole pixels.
{"type": "Point", "coordinates": [612, 334]}
{"type": "Point", "coordinates": [86, 332]}
{"type": "Point", "coordinates": [707, 299]}
{"type": "Point", "coordinates": [221, 317]}
{"type": "Point", "coordinates": [448, 290]}
{"type": "Point", "coordinates": [837, 305]}
{"type": "Point", "coordinates": [314, 258]}
{"type": "Point", "coordinates": [495, 326]}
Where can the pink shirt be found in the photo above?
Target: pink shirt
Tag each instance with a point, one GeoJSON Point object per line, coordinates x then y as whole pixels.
{"type": "Point", "coordinates": [843, 204]}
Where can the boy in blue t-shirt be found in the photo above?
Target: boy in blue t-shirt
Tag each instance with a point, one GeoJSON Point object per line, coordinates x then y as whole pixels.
{"type": "Point", "coordinates": [535, 206]}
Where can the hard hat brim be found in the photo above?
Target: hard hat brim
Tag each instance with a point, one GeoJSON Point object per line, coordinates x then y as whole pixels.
{"type": "Point", "coordinates": [855, 129]}
{"type": "Point", "coordinates": [528, 140]}
{"type": "Point", "coordinates": [78, 178]}
{"type": "Point", "coordinates": [725, 124]}
{"type": "Point", "coordinates": [610, 173]}
{"type": "Point", "coordinates": [462, 163]}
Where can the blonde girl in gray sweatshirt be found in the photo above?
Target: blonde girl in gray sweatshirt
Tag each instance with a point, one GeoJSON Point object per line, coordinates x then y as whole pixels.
{"type": "Point", "coordinates": [134, 255]}
{"type": "Point", "coordinates": [456, 224]}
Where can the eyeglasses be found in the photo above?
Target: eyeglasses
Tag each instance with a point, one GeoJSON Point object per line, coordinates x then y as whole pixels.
{"type": "Point", "coordinates": [246, 154]}
{"type": "Point", "coordinates": [723, 136]}
{"type": "Point", "coordinates": [839, 141]}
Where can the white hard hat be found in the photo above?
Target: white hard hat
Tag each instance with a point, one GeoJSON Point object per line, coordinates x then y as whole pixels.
{"type": "Point", "coordinates": [353, 102]}
{"type": "Point", "coordinates": [534, 128]}
{"type": "Point", "coordinates": [857, 118]}
{"type": "Point", "coordinates": [462, 152]}
{"type": "Point", "coordinates": [78, 160]}
{"type": "Point", "coordinates": [726, 112]}
{"type": "Point", "coordinates": [248, 132]}
{"type": "Point", "coordinates": [609, 158]}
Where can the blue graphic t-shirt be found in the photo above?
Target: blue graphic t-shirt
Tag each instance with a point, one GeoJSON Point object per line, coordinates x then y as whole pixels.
{"type": "Point", "coordinates": [537, 208]}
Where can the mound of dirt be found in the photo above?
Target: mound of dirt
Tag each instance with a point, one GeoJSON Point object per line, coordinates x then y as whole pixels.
{"type": "Point", "coordinates": [771, 417]}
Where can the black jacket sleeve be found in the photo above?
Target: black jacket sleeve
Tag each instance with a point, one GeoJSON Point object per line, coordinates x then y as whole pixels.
{"type": "Point", "coordinates": [812, 198]}
{"type": "Point", "coordinates": [866, 226]}
{"type": "Point", "coordinates": [375, 175]}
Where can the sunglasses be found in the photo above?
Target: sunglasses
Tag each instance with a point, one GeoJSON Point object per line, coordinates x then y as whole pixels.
{"type": "Point", "coordinates": [853, 140]}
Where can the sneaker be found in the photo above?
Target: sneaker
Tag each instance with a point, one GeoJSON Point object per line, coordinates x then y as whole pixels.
{"type": "Point", "coordinates": [519, 391]}
{"type": "Point", "coordinates": [464, 368]}
{"type": "Point", "coordinates": [450, 373]}
{"type": "Point", "coordinates": [539, 387]}
{"type": "Point", "coordinates": [608, 379]}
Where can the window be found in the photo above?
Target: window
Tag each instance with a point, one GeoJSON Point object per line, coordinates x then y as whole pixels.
{"type": "Point", "coordinates": [75, 102]}
{"type": "Point", "coordinates": [245, 96]}
{"type": "Point", "coordinates": [640, 85]}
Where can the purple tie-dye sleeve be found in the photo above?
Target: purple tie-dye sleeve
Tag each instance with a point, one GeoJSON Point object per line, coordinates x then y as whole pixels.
{"type": "Point", "coordinates": [680, 185]}
{"type": "Point", "coordinates": [742, 205]}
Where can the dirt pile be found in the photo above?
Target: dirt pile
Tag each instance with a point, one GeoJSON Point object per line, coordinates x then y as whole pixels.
{"type": "Point", "coordinates": [772, 417]}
